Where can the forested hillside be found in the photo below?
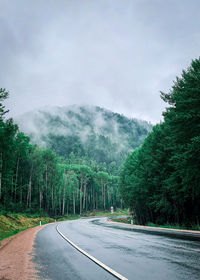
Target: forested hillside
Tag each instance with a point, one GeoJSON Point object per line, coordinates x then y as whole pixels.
{"type": "Point", "coordinates": [160, 181]}
{"type": "Point", "coordinates": [75, 168]}
{"type": "Point", "coordinates": [85, 132]}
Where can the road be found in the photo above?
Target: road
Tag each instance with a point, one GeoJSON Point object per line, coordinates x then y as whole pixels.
{"type": "Point", "coordinates": [135, 255]}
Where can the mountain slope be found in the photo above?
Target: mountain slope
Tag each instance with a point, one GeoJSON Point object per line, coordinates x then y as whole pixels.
{"type": "Point", "coordinates": [90, 131]}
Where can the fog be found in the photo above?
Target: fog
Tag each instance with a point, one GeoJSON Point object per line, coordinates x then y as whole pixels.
{"type": "Point", "coordinates": [83, 122]}
{"type": "Point", "coordinates": [117, 54]}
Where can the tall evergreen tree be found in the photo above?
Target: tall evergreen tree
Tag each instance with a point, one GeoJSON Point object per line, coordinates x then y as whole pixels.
{"type": "Point", "coordinates": [160, 181]}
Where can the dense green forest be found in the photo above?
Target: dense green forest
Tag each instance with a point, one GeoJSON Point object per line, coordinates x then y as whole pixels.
{"type": "Point", "coordinates": [75, 166]}
{"type": "Point", "coordinates": [160, 181]}
{"type": "Point", "coordinates": [63, 177]}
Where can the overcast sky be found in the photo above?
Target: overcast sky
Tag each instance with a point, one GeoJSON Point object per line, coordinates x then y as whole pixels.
{"type": "Point", "coordinates": [118, 54]}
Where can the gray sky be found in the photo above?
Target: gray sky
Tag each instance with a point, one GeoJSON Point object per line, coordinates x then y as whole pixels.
{"type": "Point", "coordinates": [117, 54]}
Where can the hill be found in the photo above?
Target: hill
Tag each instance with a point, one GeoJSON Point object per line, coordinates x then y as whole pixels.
{"type": "Point", "coordinates": [84, 131]}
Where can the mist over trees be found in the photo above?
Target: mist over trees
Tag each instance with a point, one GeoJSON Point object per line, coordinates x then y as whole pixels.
{"type": "Point", "coordinates": [85, 131]}
{"type": "Point", "coordinates": [160, 181]}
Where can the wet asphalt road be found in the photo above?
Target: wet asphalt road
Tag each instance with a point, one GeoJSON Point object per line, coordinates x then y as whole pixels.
{"type": "Point", "coordinates": [135, 255]}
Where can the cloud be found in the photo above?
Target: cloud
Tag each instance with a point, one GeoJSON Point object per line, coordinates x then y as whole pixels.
{"type": "Point", "coordinates": [114, 54]}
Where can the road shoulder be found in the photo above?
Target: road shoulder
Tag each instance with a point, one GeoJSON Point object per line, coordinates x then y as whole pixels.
{"type": "Point", "coordinates": [15, 256]}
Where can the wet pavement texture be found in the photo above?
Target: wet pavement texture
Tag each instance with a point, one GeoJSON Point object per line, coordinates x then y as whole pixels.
{"type": "Point", "coordinates": [135, 255]}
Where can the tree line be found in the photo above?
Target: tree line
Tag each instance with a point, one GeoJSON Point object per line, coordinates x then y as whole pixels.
{"type": "Point", "coordinates": [160, 181]}
{"type": "Point", "coordinates": [33, 179]}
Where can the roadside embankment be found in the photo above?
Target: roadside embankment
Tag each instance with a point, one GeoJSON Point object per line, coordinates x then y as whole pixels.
{"type": "Point", "coordinates": [11, 224]}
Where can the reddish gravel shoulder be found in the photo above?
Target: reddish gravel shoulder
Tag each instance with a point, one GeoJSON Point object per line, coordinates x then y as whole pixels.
{"type": "Point", "coordinates": [15, 256]}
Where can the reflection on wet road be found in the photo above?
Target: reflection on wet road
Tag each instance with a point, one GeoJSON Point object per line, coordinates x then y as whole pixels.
{"type": "Point", "coordinates": [133, 254]}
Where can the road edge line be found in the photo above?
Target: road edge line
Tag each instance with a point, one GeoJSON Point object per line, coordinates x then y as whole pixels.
{"type": "Point", "coordinates": [105, 267]}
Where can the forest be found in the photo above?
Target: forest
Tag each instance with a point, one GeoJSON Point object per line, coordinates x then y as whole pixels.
{"type": "Point", "coordinates": [66, 180]}
{"type": "Point", "coordinates": [68, 163]}
{"type": "Point", "coordinates": [160, 181]}
{"type": "Point", "coordinates": [33, 179]}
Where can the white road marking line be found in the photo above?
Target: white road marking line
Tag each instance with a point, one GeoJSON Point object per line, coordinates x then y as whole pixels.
{"type": "Point", "coordinates": [107, 268]}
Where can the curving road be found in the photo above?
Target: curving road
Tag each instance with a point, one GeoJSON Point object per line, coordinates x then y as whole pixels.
{"type": "Point", "coordinates": [135, 255]}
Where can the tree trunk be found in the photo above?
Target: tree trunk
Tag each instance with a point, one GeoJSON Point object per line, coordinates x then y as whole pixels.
{"type": "Point", "coordinates": [12, 196]}
{"type": "Point", "coordinates": [96, 201]}
{"type": "Point", "coordinates": [108, 195]}
{"type": "Point", "coordinates": [63, 206]}
{"type": "Point", "coordinates": [40, 199]}
{"type": "Point", "coordinates": [28, 201]}
{"type": "Point", "coordinates": [86, 203]}
{"type": "Point", "coordinates": [1, 166]}
{"type": "Point", "coordinates": [52, 197]}
{"type": "Point", "coordinates": [67, 207]}
{"type": "Point", "coordinates": [46, 178]}
{"type": "Point", "coordinates": [81, 197]}
{"type": "Point", "coordinates": [20, 192]}
{"type": "Point", "coordinates": [60, 204]}
{"type": "Point", "coordinates": [16, 179]}
{"type": "Point", "coordinates": [93, 199]}
{"type": "Point", "coordinates": [104, 197]}
{"type": "Point", "coordinates": [80, 201]}
{"type": "Point", "coordinates": [46, 187]}
{"type": "Point", "coordinates": [84, 195]}
{"type": "Point", "coordinates": [74, 203]}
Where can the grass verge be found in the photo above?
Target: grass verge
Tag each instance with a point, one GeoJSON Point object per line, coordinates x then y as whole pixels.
{"type": "Point", "coordinates": [11, 224]}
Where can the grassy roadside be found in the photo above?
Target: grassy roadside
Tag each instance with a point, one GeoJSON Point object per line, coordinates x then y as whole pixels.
{"type": "Point", "coordinates": [128, 221]}
{"type": "Point", "coordinates": [11, 224]}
